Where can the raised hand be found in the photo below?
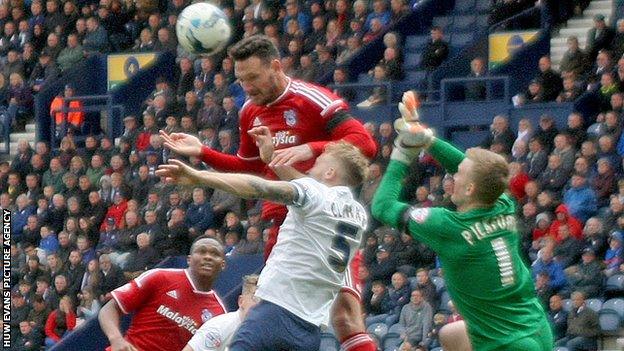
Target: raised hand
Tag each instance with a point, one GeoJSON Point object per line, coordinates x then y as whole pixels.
{"type": "Point", "coordinates": [177, 172]}
{"type": "Point", "coordinates": [291, 155]}
{"type": "Point", "coordinates": [264, 142]}
{"type": "Point", "coordinates": [182, 144]}
{"type": "Point", "coordinates": [121, 344]}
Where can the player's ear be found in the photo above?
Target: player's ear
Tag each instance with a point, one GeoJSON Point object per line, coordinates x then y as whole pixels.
{"type": "Point", "coordinates": [188, 260]}
{"type": "Point", "coordinates": [240, 300]}
{"type": "Point", "coordinates": [276, 65]}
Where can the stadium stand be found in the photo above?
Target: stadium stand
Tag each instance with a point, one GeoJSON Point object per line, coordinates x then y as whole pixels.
{"type": "Point", "coordinates": [41, 197]}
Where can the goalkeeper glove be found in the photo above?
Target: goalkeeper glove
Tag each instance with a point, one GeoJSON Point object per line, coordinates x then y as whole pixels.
{"type": "Point", "coordinates": [413, 137]}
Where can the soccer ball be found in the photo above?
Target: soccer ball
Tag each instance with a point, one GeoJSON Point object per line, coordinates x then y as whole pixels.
{"type": "Point", "coordinates": [203, 28]}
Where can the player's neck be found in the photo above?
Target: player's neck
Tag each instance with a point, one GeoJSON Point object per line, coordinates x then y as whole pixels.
{"type": "Point", "coordinates": [471, 206]}
{"type": "Point", "coordinates": [201, 284]}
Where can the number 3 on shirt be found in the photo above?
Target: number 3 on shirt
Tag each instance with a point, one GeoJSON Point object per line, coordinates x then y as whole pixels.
{"type": "Point", "coordinates": [340, 249]}
{"type": "Point", "coordinates": [505, 265]}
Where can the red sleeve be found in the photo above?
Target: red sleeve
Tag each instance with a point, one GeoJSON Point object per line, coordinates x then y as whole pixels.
{"type": "Point", "coordinates": [133, 295]}
{"type": "Point", "coordinates": [230, 163]}
{"type": "Point", "coordinates": [351, 131]}
{"type": "Point", "coordinates": [50, 326]}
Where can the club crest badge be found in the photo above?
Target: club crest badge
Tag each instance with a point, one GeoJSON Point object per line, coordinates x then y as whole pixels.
{"type": "Point", "coordinates": [290, 116]}
{"type": "Point", "coordinates": [206, 315]}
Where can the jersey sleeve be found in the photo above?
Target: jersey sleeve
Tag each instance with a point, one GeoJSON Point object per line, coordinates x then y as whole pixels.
{"type": "Point", "coordinates": [247, 149]}
{"type": "Point", "coordinates": [429, 225]}
{"type": "Point", "coordinates": [131, 296]}
{"type": "Point", "coordinates": [207, 338]}
{"type": "Point", "coordinates": [309, 193]}
{"type": "Point", "coordinates": [342, 126]}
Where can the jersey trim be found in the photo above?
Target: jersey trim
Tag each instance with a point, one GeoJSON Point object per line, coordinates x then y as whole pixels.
{"type": "Point", "coordinates": [121, 307]}
{"type": "Point", "coordinates": [331, 106]}
{"type": "Point", "coordinates": [300, 195]}
{"type": "Point", "coordinates": [339, 117]}
{"type": "Point", "coordinates": [405, 218]}
{"type": "Point", "coordinates": [220, 302]}
{"type": "Point", "coordinates": [247, 158]}
{"type": "Point", "coordinates": [195, 290]}
{"type": "Point", "coordinates": [314, 96]}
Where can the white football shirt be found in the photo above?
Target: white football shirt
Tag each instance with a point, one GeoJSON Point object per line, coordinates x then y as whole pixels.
{"type": "Point", "coordinates": [316, 242]}
{"type": "Point", "coordinates": [216, 333]}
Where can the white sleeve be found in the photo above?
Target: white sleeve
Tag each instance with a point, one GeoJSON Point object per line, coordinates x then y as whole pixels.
{"type": "Point", "coordinates": [309, 193]}
{"type": "Point", "coordinates": [207, 338]}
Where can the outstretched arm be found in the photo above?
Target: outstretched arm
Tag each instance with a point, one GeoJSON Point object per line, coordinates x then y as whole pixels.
{"type": "Point", "coordinates": [241, 185]}
{"type": "Point", "coordinates": [109, 318]}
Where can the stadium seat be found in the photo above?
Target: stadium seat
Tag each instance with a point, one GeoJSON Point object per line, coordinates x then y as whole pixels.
{"type": "Point", "coordinates": [395, 329]}
{"type": "Point", "coordinates": [412, 61]}
{"type": "Point", "coordinates": [615, 285]}
{"type": "Point", "coordinates": [464, 6]}
{"type": "Point", "coordinates": [594, 304]}
{"type": "Point", "coordinates": [463, 23]}
{"type": "Point", "coordinates": [416, 42]}
{"type": "Point", "coordinates": [482, 21]}
{"type": "Point", "coordinates": [567, 305]}
{"type": "Point", "coordinates": [439, 283]}
{"type": "Point", "coordinates": [436, 349]}
{"type": "Point", "coordinates": [611, 314]}
{"type": "Point", "coordinates": [415, 76]}
{"type": "Point", "coordinates": [461, 39]}
{"type": "Point", "coordinates": [328, 342]}
{"type": "Point", "coordinates": [443, 22]}
{"type": "Point", "coordinates": [378, 329]}
{"type": "Point", "coordinates": [391, 343]}
{"type": "Point", "coordinates": [560, 348]}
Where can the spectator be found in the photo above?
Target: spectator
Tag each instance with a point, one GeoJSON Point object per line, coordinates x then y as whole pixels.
{"type": "Point", "coordinates": [416, 317]}
{"type": "Point", "coordinates": [89, 305]}
{"type": "Point", "coordinates": [534, 93]}
{"type": "Point", "coordinates": [30, 337]}
{"type": "Point", "coordinates": [546, 132]}
{"type": "Point", "coordinates": [427, 288]}
{"type": "Point", "coordinates": [380, 306]}
{"type": "Point", "coordinates": [558, 317]}
{"type": "Point", "coordinates": [436, 50]}
{"type": "Point", "coordinates": [378, 94]}
{"type": "Point", "coordinates": [60, 321]}
{"type": "Point", "coordinates": [475, 90]}
{"type": "Point", "coordinates": [252, 244]}
{"type": "Point", "coordinates": [574, 59]}
{"type": "Point", "coordinates": [20, 101]}
{"type": "Point", "coordinates": [605, 182]}
{"type": "Point", "coordinates": [575, 130]}
{"type": "Point", "coordinates": [144, 258]}
{"type": "Point", "coordinates": [112, 278]}
{"type": "Point", "coordinates": [71, 120]}
{"type": "Point", "coordinates": [580, 198]}
{"type": "Point", "coordinates": [340, 78]}
{"type": "Point", "coordinates": [545, 263]}
{"type": "Point", "coordinates": [96, 39]}
{"type": "Point", "coordinates": [44, 72]}
{"type": "Point", "coordinates": [501, 138]}
{"type": "Point", "coordinates": [599, 37]}
{"type": "Point", "coordinates": [383, 267]}
{"type": "Point", "coordinates": [587, 276]}
{"type": "Point", "coordinates": [399, 293]}
{"type": "Point", "coordinates": [614, 256]}
{"type": "Point", "coordinates": [537, 159]}
{"type": "Point", "coordinates": [554, 177]}
{"type": "Point", "coordinates": [570, 91]}
{"type": "Point", "coordinates": [583, 328]}
{"type": "Point", "coordinates": [379, 12]}
{"type": "Point", "coordinates": [293, 12]}
{"type": "Point", "coordinates": [71, 54]}
{"type": "Point", "coordinates": [14, 64]}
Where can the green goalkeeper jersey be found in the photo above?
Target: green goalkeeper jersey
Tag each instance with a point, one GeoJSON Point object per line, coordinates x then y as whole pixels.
{"type": "Point", "coordinates": [479, 252]}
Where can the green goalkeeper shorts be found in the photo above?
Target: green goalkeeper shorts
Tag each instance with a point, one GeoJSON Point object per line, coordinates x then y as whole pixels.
{"type": "Point", "coordinates": [541, 340]}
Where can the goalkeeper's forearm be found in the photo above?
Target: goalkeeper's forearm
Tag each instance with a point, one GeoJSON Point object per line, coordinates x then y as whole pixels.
{"type": "Point", "coordinates": [386, 206]}
{"type": "Point", "coordinates": [448, 155]}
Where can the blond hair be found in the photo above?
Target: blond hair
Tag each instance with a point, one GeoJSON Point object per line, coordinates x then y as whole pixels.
{"type": "Point", "coordinates": [490, 174]}
{"type": "Point", "coordinates": [355, 164]}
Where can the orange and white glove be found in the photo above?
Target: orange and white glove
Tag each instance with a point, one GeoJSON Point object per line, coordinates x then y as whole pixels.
{"type": "Point", "coordinates": [412, 136]}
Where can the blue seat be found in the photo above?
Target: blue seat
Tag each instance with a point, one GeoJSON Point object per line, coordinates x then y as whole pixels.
{"type": "Point", "coordinates": [444, 299]}
{"type": "Point", "coordinates": [378, 329]}
{"type": "Point", "coordinates": [560, 348]}
{"type": "Point", "coordinates": [395, 329]}
{"type": "Point", "coordinates": [615, 284]}
{"type": "Point", "coordinates": [416, 42]}
{"type": "Point", "coordinates": [412, 61]}
{"type": "Point", "coordinates": [611, 314]}
{"type": "Point", "coordinates": [413, 281]}
{"type": "Point", "coordinates": [594, 304]}
{"type": "Point", "coordinates": [328, 342]}
{"type": "Point", "coordinates": [415, 76]}
{"type": "Point", "coordinates": [482, 21]}
{"type": "Point", "coordinates": [464, 6]}
{"type": "Point", "coordinates": [442, 22]}
{"type": "Point", "coordinates": [461, 39]}
{"type": "Point", "coordinates": [463, 23]}
{"type": "Point", "coordinates": [436, 349]}
{"type": "Point", "coordinates": [439, 283]}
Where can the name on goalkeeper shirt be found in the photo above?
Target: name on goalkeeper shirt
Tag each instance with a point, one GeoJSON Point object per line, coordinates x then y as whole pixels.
{"type": "Point", "coordinates": [483, 229]}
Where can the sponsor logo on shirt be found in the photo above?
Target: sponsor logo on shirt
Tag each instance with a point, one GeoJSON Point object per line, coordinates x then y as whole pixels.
{"type": "Point", "coordinates": [182, 321]}
{"type": "Point", "coordinates": [256, 122]}
{"type": "Point", "coordinates": [173, 294]}
{"type": "Point", "coordinates": [212, 339]}
{"type": "Point", "coordinates": [290, 116]}
{"type": "Point", "coordinates": [206, 315]}
{"type": "Point", "coordinates": [419, 215]}
{"type": "Point", "coordinates": [283, 137]}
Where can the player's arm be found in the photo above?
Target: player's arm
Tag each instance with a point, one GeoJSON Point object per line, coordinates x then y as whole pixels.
{"type": "Point", "coordinates": [109, 318]}
{"type": "Point", "coordinates": [264, 142]}
{"type": "Point", "coordinates": [241, 185]}
{"type": "Point", "coordinates": [190, 146]}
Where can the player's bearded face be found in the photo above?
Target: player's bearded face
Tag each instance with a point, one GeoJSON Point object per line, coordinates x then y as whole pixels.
{"type": "Point", "coordinates": [258, 79]}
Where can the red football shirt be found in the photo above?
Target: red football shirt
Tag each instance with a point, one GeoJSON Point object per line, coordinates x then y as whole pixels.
{"type": "Point", "coordinates": [168, 309]}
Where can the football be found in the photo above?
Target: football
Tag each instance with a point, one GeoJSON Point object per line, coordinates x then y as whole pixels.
{"type": "Point", "coordinates": [203, 28]}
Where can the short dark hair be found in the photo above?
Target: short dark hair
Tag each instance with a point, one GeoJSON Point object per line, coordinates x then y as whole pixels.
{"type": "Point", "coordinates": [259, 46]}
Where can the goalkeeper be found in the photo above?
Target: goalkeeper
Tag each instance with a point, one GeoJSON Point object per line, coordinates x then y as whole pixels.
{"type": "Point", "coordinates": [478, 245]}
